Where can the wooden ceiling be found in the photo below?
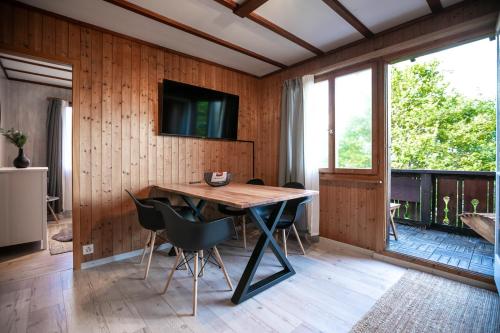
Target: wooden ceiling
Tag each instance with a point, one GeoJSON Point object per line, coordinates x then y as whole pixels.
{"type": "Point", "coordinates": [254, 36]}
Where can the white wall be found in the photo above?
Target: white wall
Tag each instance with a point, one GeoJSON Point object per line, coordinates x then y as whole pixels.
{"type": "Point", "coordinates": [26, 109]}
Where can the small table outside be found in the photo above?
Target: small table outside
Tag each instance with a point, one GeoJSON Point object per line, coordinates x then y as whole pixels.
{"type": "Point", "coordinates": [248, 197]}
{"type": "Point", "coordinates": [393, 208]}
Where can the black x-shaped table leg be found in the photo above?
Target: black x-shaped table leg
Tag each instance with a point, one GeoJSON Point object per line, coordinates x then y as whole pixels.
{"type": "Point", "coordinates": [196, 208]}
{"type": "Point", "coordinates": [245, 288]}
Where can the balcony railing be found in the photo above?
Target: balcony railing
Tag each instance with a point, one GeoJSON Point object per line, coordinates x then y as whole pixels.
{"type": "Point", "coordinates": [437, 198]}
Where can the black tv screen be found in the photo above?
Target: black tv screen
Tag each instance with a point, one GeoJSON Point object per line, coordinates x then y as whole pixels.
{"type": "Point", "coordinates": [188, 110]}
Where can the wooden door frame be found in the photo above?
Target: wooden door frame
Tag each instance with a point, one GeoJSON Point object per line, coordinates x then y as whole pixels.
{"type": "Point", "coordinates": [75, 93]}
{"type": "Point", "coordinates": [401, 55]}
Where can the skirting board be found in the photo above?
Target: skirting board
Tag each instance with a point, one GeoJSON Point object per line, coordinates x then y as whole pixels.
{"type": "Point", "coordinates": [118, 257]}
{"type": "Point", "coordinates": [406, 264]}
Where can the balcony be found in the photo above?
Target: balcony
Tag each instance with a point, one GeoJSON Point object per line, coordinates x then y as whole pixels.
{"type": "Point", "coordinates": [428, 221]}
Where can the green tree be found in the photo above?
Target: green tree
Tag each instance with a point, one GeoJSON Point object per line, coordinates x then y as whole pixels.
{"type": "Point", "coordinates": [433, 127]}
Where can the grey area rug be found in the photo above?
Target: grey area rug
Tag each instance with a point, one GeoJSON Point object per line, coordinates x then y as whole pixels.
{"type": "Point", "coordinates": [421, 302]}
{"type": "Point", "coordinates": [60, 237]}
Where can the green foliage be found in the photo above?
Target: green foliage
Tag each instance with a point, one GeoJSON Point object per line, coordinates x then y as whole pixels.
{"type": "Point", "coordinates": [16, 137]}
{"type": "Point", "coordinates": [354, 148]}
{"type": "Point", "coordinates": [433, 127]}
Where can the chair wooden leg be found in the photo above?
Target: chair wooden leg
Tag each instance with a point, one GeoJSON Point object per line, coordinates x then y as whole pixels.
{"type": "Point", "coordinates": [298, 239]}
{"type": "Point", "coordinates": [283, 235]}
{"type": "Point", "coordinates": [393, 226]}
{"type": "Point", "coordinates": [202, 269]}
{"type": "Point", "coordinates": [195, 284]}
{"type": "Point", "coordinates": [221, 263]}
{"type": "Point", "coordinates": [235, 230]}
{"type": "Point", "coordinates": [151, 246]}
{"type": "Point", "coordinates": [145, 248]}
{"type": "Point", "coordinates": [177, 259]}
{"type": "Point", "coordinates": [184, 260]}
{"type": "Point", "coordinates": [244, 228]}
{"type": "Point", "coordinates": [52, 212]}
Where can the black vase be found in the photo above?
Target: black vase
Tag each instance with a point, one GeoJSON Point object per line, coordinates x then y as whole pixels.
{"type": "Point", "coordinates": [21, 161]}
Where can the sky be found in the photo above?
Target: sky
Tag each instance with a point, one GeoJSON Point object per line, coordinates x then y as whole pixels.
{"type": "Point", "coordinates": [469, 68]}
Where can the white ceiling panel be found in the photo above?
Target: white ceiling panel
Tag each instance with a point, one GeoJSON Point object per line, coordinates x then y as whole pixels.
{"type": "Point", "coordinates": [18, 65]}
{"type": "Point", "coordinates": [312, 21]}
{"type": "Point", "coordinates": [380, 15]}
{"type": "Point", "coordinates": [46, 63]}
{"type": "Point", "coordinates": [111, 17]}
{"type": "Point", "coordinates": [217, 20]}
{"type": "Point", "coordinates": [37, 78]}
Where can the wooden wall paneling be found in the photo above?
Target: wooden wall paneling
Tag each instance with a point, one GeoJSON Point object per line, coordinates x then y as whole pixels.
{"type": "Point", "coordinates": [182, 160]}
{"type": "Point", "coordinates": [49, 35]}
{"type": "Point", "coordinates": [107, 145]}
{"type": "Point", "coordinates": [61, 38]}
{"type": "Point", "coordinates": [167, 153]}
{"type": "Point", "coordinates": [195, 170]}
{"type": "Point", "coordinates": [116, 144]}
{"type": "Point", "coordinates": [21, 38]}
{"type": "Point", "coordinates": [152, 162]}
{"type": "Point", "coordinates": [73, 42]}
{"type": "Point", "coordinates": [115, 99]}
{"type": "Point", "coordinates": [126, 207]}
{"type": "Point", "coordinates": [85, 132]}
{"type": "Point", "coordinates": [77, 244]}
{"type": "Point", "coordinates": [7, 24]}
{"type": "Point", "coordinates": [143, 118]}
{"type": "Point", "coordinates": [143, 127]}
{"type": "Point", "coordinates": [35, 31]}
{"type": "Point", "coordinates": [160, 72]}
{"type": "Point", "coordinates": [189, 158]}
{"type": "Point", "coordinates": [96, 142]}
{"type": "Point", "coordinates": [175, 157]}
{"type": "Point", "coordinates": [135, 140]}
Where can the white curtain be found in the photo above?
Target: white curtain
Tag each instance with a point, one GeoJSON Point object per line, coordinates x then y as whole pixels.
{"type": "Point", "coordinates": [312, 152]}
{"type": "Point", "coordinates": [67, 139]}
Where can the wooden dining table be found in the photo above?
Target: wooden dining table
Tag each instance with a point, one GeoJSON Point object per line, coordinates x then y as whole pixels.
{"type": "Point", "coordinates": [250, 198]}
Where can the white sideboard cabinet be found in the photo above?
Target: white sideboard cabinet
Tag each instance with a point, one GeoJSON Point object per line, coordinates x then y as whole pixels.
{"type": "Point", "coordinates": [23, 206]}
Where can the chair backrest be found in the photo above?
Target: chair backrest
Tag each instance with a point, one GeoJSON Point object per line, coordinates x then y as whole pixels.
{"type": "Point", "coordinates": [255, 181]}
{"type": "Point", "coordinates": [294, 207]}
{"type": "Point", "coordinates": [193, 236]}
{"type": "Point", "coordinates": [149, 217]}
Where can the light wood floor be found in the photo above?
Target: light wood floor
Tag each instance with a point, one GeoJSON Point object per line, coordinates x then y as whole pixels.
{"type": "Point", "coordinates": [331, 291]}
{"type": "Point", "coordinates": [24, 261]}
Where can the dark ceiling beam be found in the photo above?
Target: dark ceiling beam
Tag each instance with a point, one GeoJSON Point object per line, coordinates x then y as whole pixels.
{"type": "Point", "coordinates": [349, 17]}
{"type": "Point", "coordinates": [3, 70]}
{"type": "Point", "coordinates": [41, 83]}
{"type": "Point", "coordinates": [273, 27]}
{"type": "Point", "coordinates": [248, 7]}
{"type": "Point", "coordinates": [37, 74]}
{"type": "Point", "coordinates": [190, 30]}
{"type": "Point", "coordinates": [435, 6]}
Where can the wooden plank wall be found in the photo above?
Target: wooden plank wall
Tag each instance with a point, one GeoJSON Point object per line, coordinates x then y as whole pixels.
{"type": "Point", "coordinates": [354, 211]}
{"type": "Point", "coordinates": [115, 101]}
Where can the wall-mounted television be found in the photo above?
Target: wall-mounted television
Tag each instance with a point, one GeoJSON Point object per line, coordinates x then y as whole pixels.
{"type": "Point", "coordinates": [187, 110]}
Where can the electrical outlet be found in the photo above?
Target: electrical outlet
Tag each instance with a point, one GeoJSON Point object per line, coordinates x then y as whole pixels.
{"type": "Point", "coordinates": [88, 249]}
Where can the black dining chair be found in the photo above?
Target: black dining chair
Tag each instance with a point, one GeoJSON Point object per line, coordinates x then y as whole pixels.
{"type": "Point", "coordinates": [293, 211]}
{"type": "Point", "coordinates": [151, 220]}
{"type": "Point", "coordinates": [235, 212]}
{"type": "Point", "coordinates": [195, 237]}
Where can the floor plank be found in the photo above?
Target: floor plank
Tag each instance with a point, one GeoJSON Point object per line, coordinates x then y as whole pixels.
{"type": "Point", "coordinates": [331, 291]}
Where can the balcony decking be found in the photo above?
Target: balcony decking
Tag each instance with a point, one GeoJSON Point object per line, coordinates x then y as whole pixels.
{"type": "Point", "coordinates": [466, 252]}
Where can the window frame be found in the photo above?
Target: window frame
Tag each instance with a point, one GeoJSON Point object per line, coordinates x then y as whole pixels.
{"type": "Point", "coordinates": [373, 65]}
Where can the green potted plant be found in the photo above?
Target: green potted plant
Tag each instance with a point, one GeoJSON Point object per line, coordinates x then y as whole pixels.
{"type": "Point", "coordinates": [18, 139]}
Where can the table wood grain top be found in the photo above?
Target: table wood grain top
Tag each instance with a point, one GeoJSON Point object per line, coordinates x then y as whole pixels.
{"type": "Point", "coordinates": [238, 195]}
